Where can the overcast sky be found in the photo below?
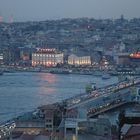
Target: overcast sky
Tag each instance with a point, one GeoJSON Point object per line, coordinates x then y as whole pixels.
{"type": "Point", "coordinates": [25, 10]}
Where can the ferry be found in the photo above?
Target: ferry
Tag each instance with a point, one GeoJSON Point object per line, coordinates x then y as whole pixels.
{"type": "Point", "coordinates": [85, 72]}
{"type": "Point", "coordinates": [106, 76]}
{"type": "Point", "coordinates": [97, 73]}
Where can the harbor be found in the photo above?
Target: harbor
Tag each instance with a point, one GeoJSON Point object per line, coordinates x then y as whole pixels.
{"type": "Point", "coordinates": [77, 107]}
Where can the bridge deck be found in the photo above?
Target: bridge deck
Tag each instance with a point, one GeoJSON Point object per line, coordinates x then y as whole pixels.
{"type": "Point", "coordinates": [109, 108]}
{"type": "Point", "coordinates": [101, 92]}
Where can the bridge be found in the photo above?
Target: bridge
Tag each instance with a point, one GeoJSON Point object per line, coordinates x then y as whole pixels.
{"type": "Point", "coordinates": [106, 98]}
{"type": "Point", "coordinates": [96, 111]}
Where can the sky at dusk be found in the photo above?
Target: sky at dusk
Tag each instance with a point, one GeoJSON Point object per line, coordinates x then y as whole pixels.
{"type": "Point", "coordinates": [29, 10]}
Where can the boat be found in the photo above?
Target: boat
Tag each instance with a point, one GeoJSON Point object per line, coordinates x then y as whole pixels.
{"type": "Point", "coordinates": [97, 73]}
{"type": "Point", "coordinates": [61, 71]}
{"type": "Point", "coordinates": [106, 76]}
{"type": "Point", "coordinates": [85, 72]}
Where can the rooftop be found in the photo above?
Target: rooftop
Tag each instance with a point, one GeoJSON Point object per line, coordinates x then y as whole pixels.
{"type": "Point", "coordinates": [47, 51]}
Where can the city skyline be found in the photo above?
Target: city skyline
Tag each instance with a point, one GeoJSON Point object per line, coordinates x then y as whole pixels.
{"type": "Point", "coordinates": [16, 10]}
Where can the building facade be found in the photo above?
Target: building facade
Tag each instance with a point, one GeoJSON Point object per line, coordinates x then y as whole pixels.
{"type": "Point", "coordinates": [122, 59]}
{"type": "Point", "coordinates": [82, 60]}
{"type": "Point", "coordinates": [47, 57]}
{"type": "Point", "coordinates": [132, 59]}
{"type": "Point", "coordinates": [135, 58]}
{"type": "Point", "coordinates": [1, 58]}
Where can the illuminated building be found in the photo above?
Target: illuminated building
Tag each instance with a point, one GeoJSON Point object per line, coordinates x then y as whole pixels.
{"type": "Point", "coordinates": [135, 55]}
{"type": "Point", "coordinates": [104, 63]}
{"type": "Point", "coordinates": [82, 60]}
{"type": "Point", "coordinates": [135, 58]}
{"type": "Point", "coordinates": [47, 57]}
{"type": "Point", "coordinates": [25, 53]}
{"type": "Point", "coordinates": [123, 59]}
{"type": "Point", "coordinates": [1, 58]}
{"type": "Point", "coordinates": [132, 59]}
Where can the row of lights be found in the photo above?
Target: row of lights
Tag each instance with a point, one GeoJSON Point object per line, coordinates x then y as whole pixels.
{"type": "Point", "coordinates": [45, 63]}
{"type": "Point", "coordinates": [42, 55]}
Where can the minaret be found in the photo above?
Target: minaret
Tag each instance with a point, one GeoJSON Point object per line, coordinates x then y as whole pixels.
{"type": "Point", "coordinates": [11, 20]}
{"type": "Point", "coordinates": [122, 17]}
{"type": "Point", "coordinates": [1, 19]}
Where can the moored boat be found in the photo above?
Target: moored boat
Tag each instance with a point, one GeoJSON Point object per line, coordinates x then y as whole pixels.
{"type": "Point", "coordinates": [106, 76]}
{"type": "Point", "coordinates": [97, 73]}
{"type": "Point", "coordinates": [61, 71]}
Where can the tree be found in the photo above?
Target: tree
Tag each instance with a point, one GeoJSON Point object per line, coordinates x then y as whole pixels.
{"type": "Point", "coordinates": [88, 88]}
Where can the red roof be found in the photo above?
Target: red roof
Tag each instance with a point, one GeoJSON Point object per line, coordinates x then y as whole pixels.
{"type": "Point", "coordinates": [46, 50]}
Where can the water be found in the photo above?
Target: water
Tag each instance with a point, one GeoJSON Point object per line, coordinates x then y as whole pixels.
{"type": "Point", "coordinates": [22, 92]}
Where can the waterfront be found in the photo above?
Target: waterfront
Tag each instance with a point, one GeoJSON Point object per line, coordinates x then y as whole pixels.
{"type": "Point", "coordinates": [22, 92]}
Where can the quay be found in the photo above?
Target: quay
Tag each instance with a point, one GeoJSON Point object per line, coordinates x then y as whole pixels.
{"type": "Point", "coordinates": [66, 70]}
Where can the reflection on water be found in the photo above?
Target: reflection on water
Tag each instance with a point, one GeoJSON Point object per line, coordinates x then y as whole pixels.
{"type": "Point", "coordinates": [20, 92]}
{"type": "Point", "coordinates": [51, 78]}
{"type": "Point", "coordinates": [46, 90]}
{"type": "Point", "coordinates": [48, 79]}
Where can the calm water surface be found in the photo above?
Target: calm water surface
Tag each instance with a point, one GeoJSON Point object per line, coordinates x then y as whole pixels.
{"type": "Point", "coordinates": [22, 92]}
